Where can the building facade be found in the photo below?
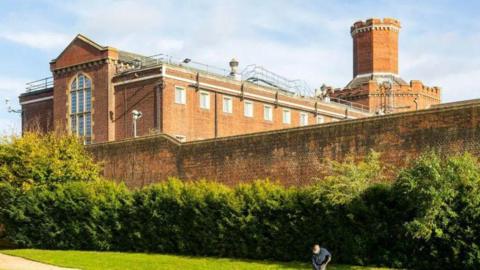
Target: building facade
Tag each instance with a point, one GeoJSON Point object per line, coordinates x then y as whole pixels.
{"type": "Point", "coordinates": [105, 94]}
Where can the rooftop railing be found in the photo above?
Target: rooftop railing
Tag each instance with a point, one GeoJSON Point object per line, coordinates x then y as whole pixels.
{"type": "Point", "coordinates": [41, 84]}
{"type": "Point", "coordinates": [185, 63]}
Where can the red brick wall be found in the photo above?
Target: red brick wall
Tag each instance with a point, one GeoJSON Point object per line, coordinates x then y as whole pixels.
{"type": "Point", "coordinates": [293, 156]}
{"type": "Point", "coordinates": [137, 96]}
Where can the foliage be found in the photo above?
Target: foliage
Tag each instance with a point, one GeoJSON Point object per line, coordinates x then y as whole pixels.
{"type": "Point", "coordinates": [347, 180]}
{"type": "Point", "coordinates": [429, 218]}
{"type": "Point", "coordinates": [44, 160]}
{"type": "Point", "coordinates": [442, 199]}
{"type": "Point", "coordinates": [72, 215]}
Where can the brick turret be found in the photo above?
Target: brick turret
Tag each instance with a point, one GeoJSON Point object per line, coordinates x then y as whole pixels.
{"type": "Point", "coordinates": [375, 46]}
{"type": "Point", "coordinates": [376, 82]}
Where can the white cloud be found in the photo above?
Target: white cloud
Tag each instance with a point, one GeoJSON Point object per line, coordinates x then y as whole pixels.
{"type": "Point", "coordinates": [297, 39]}
{"type": "Point", "coordinates": [39, 40]}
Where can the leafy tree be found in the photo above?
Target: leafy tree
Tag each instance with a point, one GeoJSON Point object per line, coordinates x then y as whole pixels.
{"type": "Point", "coordinates": [348, 179]}
{"type": "Point", "coordinates": [44, 160]}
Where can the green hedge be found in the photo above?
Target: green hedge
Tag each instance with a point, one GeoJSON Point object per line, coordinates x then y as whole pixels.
{"type": "Point", "coordinates": [428, 219]}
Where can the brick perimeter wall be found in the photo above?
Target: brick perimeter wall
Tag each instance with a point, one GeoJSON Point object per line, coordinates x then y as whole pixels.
{"type": "Point", "coordinates": [293, 156]}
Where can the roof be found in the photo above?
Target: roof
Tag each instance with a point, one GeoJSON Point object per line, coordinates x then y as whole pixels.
{"type": "Point", "coordinates": [362, 80]}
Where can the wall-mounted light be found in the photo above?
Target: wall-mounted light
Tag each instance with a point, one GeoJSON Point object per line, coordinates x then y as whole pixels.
{"type": "Point", "coordinates": [135, 116]}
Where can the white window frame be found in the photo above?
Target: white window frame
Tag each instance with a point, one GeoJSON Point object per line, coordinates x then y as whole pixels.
{"type": "Point", "coordinates": [227, 104]}
{"type": "Point", "coordinates": [180, 95]}
{"type": "Point", "coordinates": [286, 116]}
{"type": "Point", "coordinates": [248, 112]}
{"type": "Point", "coordinates": [320, 119]}
{"type": "Point", "coordinates": [303, 115]}
{"type": "Point", "coordinates": [201, 95]}
{"type": "Point", "coordinates": [268, 116]}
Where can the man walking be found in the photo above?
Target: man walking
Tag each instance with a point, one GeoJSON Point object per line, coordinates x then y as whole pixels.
{"type": "Point", "coordinates": [321, 257]}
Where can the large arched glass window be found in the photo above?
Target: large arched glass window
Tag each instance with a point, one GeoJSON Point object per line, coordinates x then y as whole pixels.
{"type": "Point", "coordinates": [80, 107]}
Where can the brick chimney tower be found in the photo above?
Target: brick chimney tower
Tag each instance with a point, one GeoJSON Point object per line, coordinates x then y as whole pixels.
{"type": "Point", "coordinates": [375, 46]}
{"type": "Point", "coordinates": [376, 83]}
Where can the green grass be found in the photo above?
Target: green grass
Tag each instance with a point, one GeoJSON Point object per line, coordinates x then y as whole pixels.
{"type": "Point", "coordinates": [88, 260]}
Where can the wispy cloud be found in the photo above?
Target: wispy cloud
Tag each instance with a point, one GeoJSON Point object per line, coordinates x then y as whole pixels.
{"type": "Point", "coordinates": [38, 40]}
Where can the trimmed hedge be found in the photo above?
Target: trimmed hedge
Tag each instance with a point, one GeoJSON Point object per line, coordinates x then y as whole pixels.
{"type": "Point", "coordinates": [428, 219]}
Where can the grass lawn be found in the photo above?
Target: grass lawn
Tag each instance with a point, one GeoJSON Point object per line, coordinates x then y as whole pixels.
{"type": "Point", "coordinates": [88, 260]}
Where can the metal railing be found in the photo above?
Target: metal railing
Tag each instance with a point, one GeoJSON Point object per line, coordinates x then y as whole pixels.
{"type": "Point", "coordinates": [187, 63]}
{"type": "Point", "coordinates": [350, 104]}
{"type": "Point", "coordinates": [261, 75]}
{"type": "Point", "coordinates": [41, 84]}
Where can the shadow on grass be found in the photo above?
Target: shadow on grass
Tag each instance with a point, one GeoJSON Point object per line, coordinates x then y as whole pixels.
{"type": "Point", "coordinates": [269, 263]}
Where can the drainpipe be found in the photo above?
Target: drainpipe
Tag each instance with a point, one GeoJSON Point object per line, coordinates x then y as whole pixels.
{"type": "Point", "coordinates": [216, 115]}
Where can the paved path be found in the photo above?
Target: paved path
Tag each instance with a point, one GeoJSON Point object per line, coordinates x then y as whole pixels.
{"type": "Point", "coordinates": [8, 262]}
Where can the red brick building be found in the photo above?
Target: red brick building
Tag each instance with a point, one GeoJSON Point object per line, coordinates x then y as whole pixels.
{"type": "Point", "coordinates": [97, 92]}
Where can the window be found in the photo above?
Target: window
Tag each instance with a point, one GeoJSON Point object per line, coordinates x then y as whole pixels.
{"type": "Point", "coordinates": [227, 105]}
{"type": "Point", "coordinates": [248, 108]}
{"type": "Point", "coordinates": [268, 113]}
{"type": "Point", "coordinates": [286, 116]}
{"type": "Point", "coordinates": [80, 106]}
{"type": "Point", "coordinates": [204, 100]}
{"type": "Point", "coordinates": [180, 95]}
{"type": "Point", "coordinates": [320, 119]}
{"type": "Point", "coordinates": [303, 119]}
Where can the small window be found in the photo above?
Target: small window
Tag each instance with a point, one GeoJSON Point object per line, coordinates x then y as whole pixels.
{"type": "Point", "coordinates": [320, 119]}
{"type": "Point", "coordinates": [303, 119]}
{"type": "Point", "coordinates": [180, 95]}
{"type": "Point", "coordinates": [204, 100]}
{"type": "Point", "coordinates": [268, 113]}
{"type": "Point", "coordinates": [286, 116]}
{"type": "Point", "coordinates": [248, 108]}
{"type": "Point", "coordinates": [227, 105]}
{"type": "Point", "coordinates": [181, 138]}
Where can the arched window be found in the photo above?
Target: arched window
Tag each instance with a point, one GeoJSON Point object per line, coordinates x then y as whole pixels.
{"type": "Point", "coordinates": [80, 107]}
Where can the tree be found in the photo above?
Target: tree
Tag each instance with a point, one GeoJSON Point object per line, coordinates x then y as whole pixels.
{"type": "Point", "coordinates": [348, 179]}
{"type": "Point", "coordinates": [44, 159]}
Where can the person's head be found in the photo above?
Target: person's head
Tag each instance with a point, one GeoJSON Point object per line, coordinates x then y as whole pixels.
{"type": "Point", "coordinates": [316, 248]}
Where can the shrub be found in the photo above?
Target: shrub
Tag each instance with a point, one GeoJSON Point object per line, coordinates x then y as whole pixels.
{"type": "Point", "coordinates": [441, 199]}
{"type": "Point", "coordinates": [428, 219]}
{"type": "Point", "coordinates": [73, 215]}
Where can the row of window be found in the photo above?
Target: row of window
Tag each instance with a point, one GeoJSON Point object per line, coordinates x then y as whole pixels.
{"type": "Point", "coordinates": [227, 105]}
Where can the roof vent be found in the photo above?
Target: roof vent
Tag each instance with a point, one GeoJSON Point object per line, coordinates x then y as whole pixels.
{"type": "Point", "coordinates": [233, 69]}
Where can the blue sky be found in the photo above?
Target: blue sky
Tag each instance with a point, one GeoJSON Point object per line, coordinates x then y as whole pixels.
{"type": "Point", "coordinates": [310, 40]}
